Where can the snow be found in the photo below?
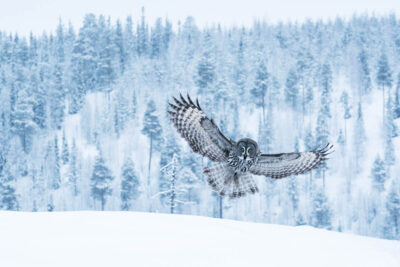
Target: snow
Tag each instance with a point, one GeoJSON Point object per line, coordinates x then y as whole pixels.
{"type": "Point", "coordinates": [88, 238]}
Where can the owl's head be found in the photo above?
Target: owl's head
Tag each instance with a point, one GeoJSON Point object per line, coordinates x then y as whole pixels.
{"type": "Point", "coordinates": [247, 149]}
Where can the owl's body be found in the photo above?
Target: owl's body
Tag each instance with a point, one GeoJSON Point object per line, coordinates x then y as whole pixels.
{"type": "Point", "coordinates": [235, 162]}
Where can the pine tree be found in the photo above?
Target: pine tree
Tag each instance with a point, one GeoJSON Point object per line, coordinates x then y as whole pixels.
{"type": "Point", "coordinates": [383, 78]}
{"type": "Point", "coordinates": [206, 74]}
{"type": "Point", "coordinates": [291, 89]}
{"type": "Point", "coordinates": [142, 36]}
{"type": "Point", "coordinates": [321, 212]}
{"type": "Point", "coordinates": [378, 174]}
{"type": "Point", "coordinates": [129, 184]}
{"type": "Point", "coordinates": [22, 119]}
{"type": "Point", "coordinates": [40, 102]}
{"type": "Point", "coordinates": [105, 63]}
{"type": "Point", "coordinates": [57, 97]}
{"type": "Point", "coordinates": [260, 86]}
{"type": "Point", "coordinates": [365, 79]}
{"type": "Point", "coordinates": [84, 63]}
{"type": "Point", "coordinates": [152, 129]}
{"type": "Point", "coordinates": [8, 196]}
{"type": "Point", "coordinates": [392, 220]}
{"type": "Point", "coordinates": [100, 181]}
{"type": "Point", "coordinates": [120, 46]}
{"type": "Point", "coordinates": [156, 41]}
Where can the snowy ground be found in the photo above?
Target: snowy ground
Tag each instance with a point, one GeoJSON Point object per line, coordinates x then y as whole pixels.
{"type": "Point", "coordinates": [144, 239]}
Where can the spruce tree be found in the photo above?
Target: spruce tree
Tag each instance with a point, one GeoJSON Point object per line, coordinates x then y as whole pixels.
{"type": "Point", "coordinates": [392, 220]}
{"type": "Point", "coordinates": [259, 90]}
{"type": "Point", "coordinates": [100, 181]}
{"type": "Point", "coordinates": [129, 184]}
{"type": "Point", "coordinates": [206, 69]}
{"type": "Point", "coordinates": [378, 174]}
{"type": "Point", "coordinates": [365, 79]}
{"type": "Point", "coordinates": [321, 212]}
{"type": "Point", "coordinates": [22, 116]}
{"type": "Point", "coordinates": [152, 129]}
{"type": "Point", "coordinates": [383, 78]}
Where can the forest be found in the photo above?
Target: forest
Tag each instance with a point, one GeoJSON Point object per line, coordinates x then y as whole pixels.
{"type": "Point", "coordinates": [83, 121]}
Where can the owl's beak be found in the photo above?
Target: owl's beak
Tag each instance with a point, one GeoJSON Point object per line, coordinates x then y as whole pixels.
{"type": "Point", "coordinates": [245, 156]}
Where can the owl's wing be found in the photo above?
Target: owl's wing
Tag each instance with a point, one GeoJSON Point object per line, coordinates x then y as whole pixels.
{"type": "Point", "coordinates": [203, 136]}
{"type": "Point", "coordinates": [282, 165]}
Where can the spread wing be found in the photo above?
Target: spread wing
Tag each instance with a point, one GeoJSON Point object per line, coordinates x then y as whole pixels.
{"type": "Point", "coordinates": [282, 165]}
{"type": "Point", "coordinates": [203, 136]}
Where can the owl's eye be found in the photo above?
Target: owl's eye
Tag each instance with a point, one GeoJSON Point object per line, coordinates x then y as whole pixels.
{"type": "Point", "coordinates": [242, 148]}
{"type": "Point", "coordinates": [249, 150]}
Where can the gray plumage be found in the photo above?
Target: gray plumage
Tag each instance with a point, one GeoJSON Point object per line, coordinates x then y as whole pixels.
{"type": "Point", "coordinates": [235, 162]}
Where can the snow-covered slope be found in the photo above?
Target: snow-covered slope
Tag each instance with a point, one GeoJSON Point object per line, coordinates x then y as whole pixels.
{"type": "Point", "coordinates": [144, 239]}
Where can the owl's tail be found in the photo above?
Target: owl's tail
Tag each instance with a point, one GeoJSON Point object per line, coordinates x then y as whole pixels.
{"type": "Point", "coordinates": [223, 179]}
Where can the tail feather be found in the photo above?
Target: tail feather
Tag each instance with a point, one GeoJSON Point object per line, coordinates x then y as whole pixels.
{"type": "Point", "coordinates": [225, 181]}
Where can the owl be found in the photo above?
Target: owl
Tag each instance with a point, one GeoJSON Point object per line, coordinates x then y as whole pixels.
{"type": "Point", "coordinates": [234, 163]}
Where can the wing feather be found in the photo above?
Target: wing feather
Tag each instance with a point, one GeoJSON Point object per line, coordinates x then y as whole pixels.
{"type": "Point", "coordinates": [202, 134]}
{"type": "Point", "coordinates": [282, 165]}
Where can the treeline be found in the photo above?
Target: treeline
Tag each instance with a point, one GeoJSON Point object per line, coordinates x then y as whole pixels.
{"type": "Point", "coordinates": [84, 123]}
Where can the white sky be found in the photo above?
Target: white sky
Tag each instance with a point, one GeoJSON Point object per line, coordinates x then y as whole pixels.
{"type": "Point", "coordinates": [24, 16]}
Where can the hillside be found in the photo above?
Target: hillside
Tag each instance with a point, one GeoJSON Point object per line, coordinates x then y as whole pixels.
{"type": "Point", "coordinates": [148, 239]}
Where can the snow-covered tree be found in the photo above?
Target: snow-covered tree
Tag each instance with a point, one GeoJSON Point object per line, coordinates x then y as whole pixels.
{"type": "Point", "coordinates": [321, 211]}
{"type": "Point", "coordinates": [129, 184]}
{"type": "Point", "coordinates": [100, 182]}
{"type": "Point", "coordinates": [152, 129]}
{"type": "Point", "coordinates": [392, 221]}
{"type": "Point", "coordinates": [378, 174]}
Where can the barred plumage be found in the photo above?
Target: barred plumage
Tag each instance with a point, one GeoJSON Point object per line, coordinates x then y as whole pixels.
{"type": "Point", "coordinates": [235, 162]}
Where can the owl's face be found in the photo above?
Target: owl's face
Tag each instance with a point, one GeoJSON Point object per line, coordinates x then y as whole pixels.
{"type": "Point", "coordinates": [247, 149]}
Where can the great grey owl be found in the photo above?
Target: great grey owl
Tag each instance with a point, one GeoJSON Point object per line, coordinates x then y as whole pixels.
{"type": "Point", "coordinates": [235, 162]}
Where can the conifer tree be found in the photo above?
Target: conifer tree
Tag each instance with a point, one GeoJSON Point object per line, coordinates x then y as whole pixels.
{"type": "Point", "coordinates": [365, 79]}
{"type": "Point", "coordinates": [383, 78]}
{"type": "Point", "coordinates": [100, 182]}
{"type": "Point", "coordinates": [392, 220]}
{"type": "Point", "coordinates": [129, 184]}
{"type": "Point", "coordinates": [291, 89]}
{"type": "Point", "coordinates": [152, 129]}
{"type": "Point", "coordinates": [22, 119]}
{"type": "Point", "coordinates": [321, 212]}
{"type": "Point", "coordinates": [378, 174]}
{"type": "Point", "coordinates": [260, 87]}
